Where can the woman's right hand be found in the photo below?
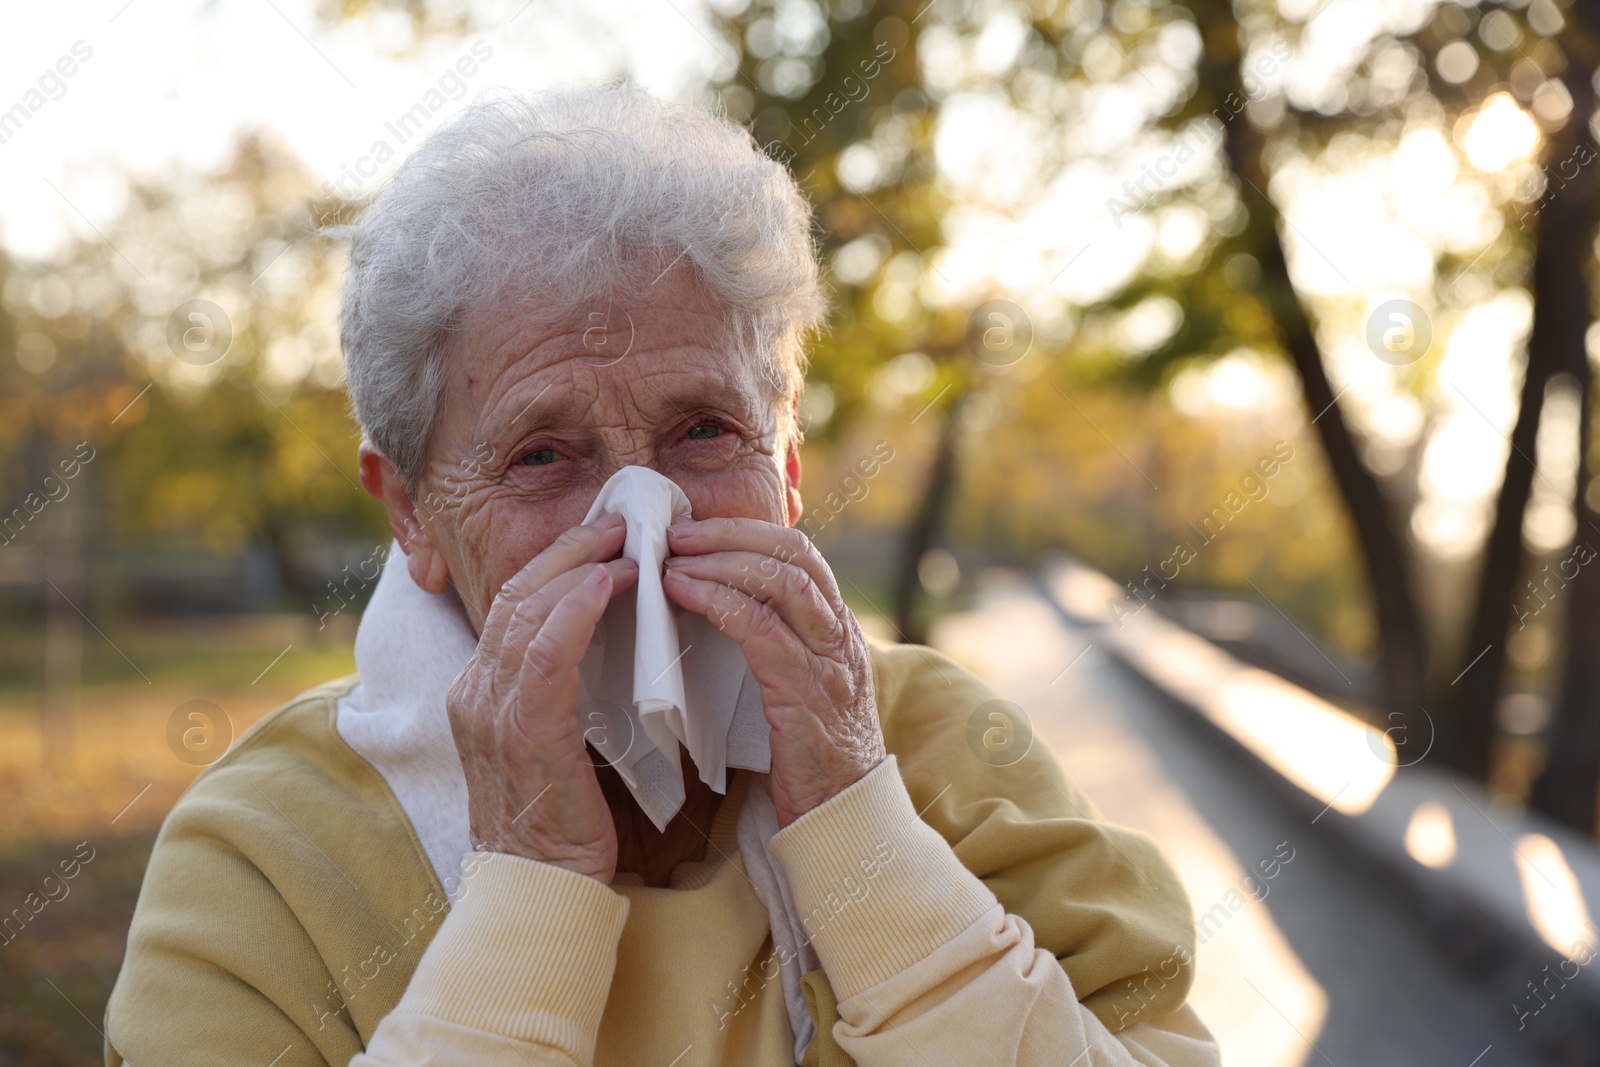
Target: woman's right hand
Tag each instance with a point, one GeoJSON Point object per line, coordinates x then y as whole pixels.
{"type": "Point", "coordinates": [531, 788]}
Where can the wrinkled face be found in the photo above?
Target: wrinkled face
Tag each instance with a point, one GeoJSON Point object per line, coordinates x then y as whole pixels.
{"type": "Point", "coordinates": [535, 418]}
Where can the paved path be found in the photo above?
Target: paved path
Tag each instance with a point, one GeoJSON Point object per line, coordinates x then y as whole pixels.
{"type": "Point", "coordinates": [1326, 968]}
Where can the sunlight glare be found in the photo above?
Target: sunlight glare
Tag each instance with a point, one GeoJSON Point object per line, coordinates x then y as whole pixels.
{"type": "Point", "coordinates": [1555, 900]}
{"type": "Point", "coordinates": [1431, 835]}
{"type": "Point", "coordinates": [1500, 134]}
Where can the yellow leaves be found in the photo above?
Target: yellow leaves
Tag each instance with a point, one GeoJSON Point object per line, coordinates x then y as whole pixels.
{"type": "Point", "coordinates": [127, 404]}
{"type": "Point", "coordinates": [184, 496]}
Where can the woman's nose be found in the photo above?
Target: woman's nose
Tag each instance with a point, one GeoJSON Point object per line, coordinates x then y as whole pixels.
{"type": "Point", "coordinates": [609, 467]}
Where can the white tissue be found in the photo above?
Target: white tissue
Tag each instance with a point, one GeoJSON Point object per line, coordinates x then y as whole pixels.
{"type": "Point", "coordinates": [642, 691]}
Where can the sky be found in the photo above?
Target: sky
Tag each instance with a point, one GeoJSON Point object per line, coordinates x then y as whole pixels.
{"type": "Point", "coordinates": [159, 83]}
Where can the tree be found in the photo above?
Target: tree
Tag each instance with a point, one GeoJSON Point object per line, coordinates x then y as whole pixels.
{"type": "Point", "coordinates": [243, 438]}
{"type": "Point", "coordinates": [1402, 646]}
{"type": "Point", "coordinates": [1561, 317]}
{"type": "Point", "coordinates": [1568, 787]}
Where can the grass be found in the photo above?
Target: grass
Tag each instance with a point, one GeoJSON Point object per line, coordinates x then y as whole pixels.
{"type": "Point", "coordinates": [56, 974]}
{"type": "Point", "coordinates": [108, 777]}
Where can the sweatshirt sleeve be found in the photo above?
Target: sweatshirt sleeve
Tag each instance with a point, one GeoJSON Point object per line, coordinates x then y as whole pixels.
{"type": "Point", "coordinates": [518, 973]}
{"type": "Point", "coordinates": [926, 963]}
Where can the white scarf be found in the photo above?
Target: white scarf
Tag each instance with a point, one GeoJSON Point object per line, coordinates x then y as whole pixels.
{"type": "Point", "coordinates": [410, 647]}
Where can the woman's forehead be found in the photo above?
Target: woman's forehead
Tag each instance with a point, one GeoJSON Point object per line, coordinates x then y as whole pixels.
{"type": "Point", "coordinates": [638, 362]}
{"type": "Point", "coordinates": [517, 332]}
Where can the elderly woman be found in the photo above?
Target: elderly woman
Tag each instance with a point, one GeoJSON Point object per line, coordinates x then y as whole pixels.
{"type": "Point", "coordinates": [424, 864]}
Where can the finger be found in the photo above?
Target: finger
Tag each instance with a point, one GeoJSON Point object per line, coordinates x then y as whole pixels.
{"type": "Point", "coordinates": [536, 608]}
{"type": "Point", "coordinates": [783, 543]}
{"type": "Point", "coordinates": [550, 677]}
{"type": "Point", "coordinates": [757, 627]}
{"type": "Point", "coordinates": [576, 546]}
{"type": "Point", "coordinates": [532, 613]}
{"type": "Point", "coordinates": [784, 586]}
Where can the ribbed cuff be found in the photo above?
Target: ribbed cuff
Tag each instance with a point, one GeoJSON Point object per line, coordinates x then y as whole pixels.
{"type": "Point", "coordinates": [876, 888]}
{"type": "Point", "coordinates": [528, 952]}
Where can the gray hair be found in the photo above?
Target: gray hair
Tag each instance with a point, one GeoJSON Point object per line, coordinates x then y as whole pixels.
{"type": "Point", "coordinates": [577, 195]}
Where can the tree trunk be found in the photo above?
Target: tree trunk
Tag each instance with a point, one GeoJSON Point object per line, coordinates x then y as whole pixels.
{"type": "Point", "coordinates": [1402, 652]}
{"type": "Point", "coordinates": [1566, 790]}
{"type": "Point", "coordinates": [1468, 733]}
{"type": "Point", "coordinates": [923, 532]}
{"type": "Point", "coordinates": [64, 597]}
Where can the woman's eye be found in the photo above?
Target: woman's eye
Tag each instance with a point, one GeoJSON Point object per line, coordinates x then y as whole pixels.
{"type": "Point", "coordinates": [704, 431]}
{"type": "Point", "coordinates": [539, 457]}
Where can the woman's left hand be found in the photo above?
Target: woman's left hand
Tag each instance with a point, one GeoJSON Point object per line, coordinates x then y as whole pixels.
{"type": "Point", "coordinates": [768, 588]}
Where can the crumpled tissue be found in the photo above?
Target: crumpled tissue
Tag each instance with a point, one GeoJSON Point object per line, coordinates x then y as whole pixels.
{"type": "Point", "coordinates": [656, 675]}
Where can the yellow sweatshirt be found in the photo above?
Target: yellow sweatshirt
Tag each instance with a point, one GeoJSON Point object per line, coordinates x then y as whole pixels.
{"type": "Point", "coordinates": [962, 913]}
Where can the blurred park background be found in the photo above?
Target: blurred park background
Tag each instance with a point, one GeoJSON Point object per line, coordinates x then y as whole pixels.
{"type": "Point", "coordinates": [1276, 312]}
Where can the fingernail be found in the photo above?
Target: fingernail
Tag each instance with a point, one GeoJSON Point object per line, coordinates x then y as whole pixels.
{"type": "Point", "coordinates": [610, 520]}
{"type": "Point", "coordinates": [596, 576]}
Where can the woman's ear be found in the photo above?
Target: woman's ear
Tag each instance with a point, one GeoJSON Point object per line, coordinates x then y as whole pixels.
{"type": "Point", "coordinates": [423, 558]}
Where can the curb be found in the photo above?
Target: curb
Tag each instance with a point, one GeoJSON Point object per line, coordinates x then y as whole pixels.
{"type": "Point", "coordinates": [1508, 897]}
